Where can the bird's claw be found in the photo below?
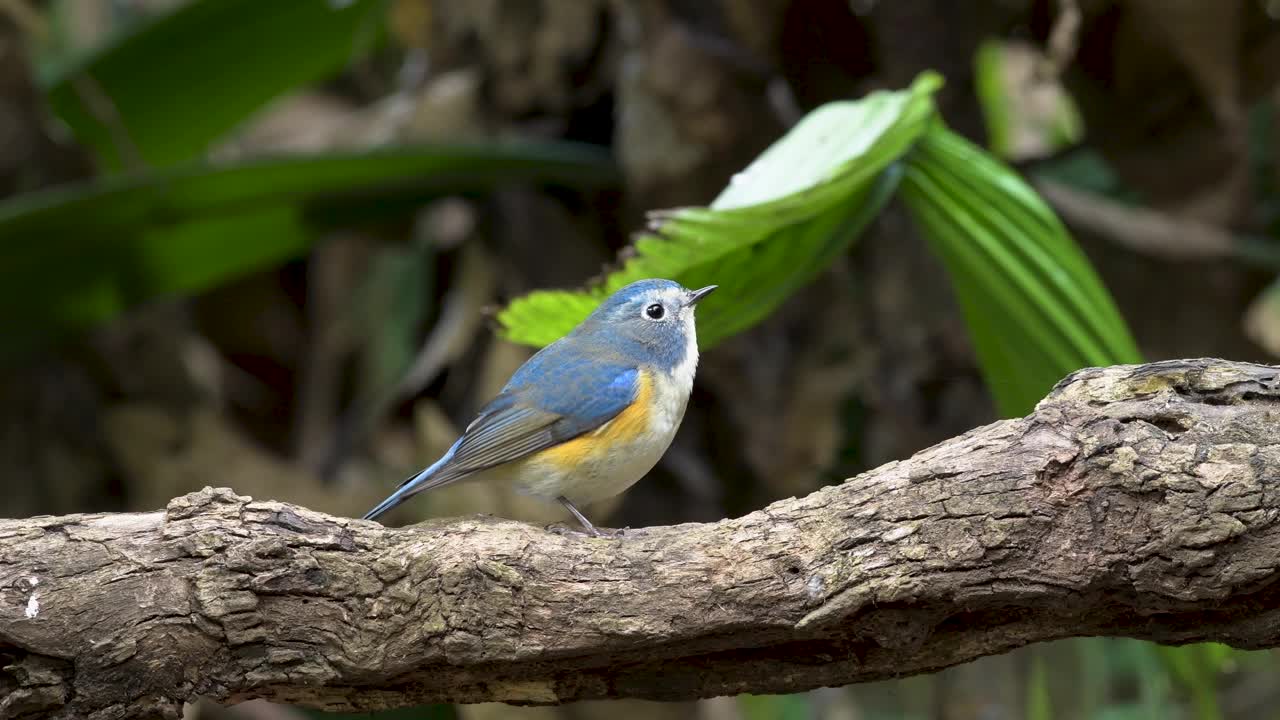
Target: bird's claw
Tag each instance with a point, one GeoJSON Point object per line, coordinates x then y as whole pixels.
{"type": "Point", "coordinates": [564, 530]}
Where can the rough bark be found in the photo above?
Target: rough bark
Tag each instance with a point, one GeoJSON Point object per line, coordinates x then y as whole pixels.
{"type": "Point", "coordinates": [1137, 501]}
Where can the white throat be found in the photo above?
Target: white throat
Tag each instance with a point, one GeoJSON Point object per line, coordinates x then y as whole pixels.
{"type": "Point", "coordinates": [688, 365]}
{"type": "Point", "coordinates": [681, 378]}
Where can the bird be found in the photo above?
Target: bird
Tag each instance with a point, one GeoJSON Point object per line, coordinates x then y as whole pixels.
{"type": "Point", "coordinates": [589, 415]}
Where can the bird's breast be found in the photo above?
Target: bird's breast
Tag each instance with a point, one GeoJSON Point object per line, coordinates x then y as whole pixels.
{"type": "Point", "coordinates": [611, 458]}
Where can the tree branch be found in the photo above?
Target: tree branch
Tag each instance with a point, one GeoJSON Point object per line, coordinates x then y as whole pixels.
{"type": "Point", "coordinates": [1137, 501]}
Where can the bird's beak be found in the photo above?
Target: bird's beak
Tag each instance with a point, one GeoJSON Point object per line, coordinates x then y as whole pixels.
{"type": "Point", "coordinates": [696, 295]}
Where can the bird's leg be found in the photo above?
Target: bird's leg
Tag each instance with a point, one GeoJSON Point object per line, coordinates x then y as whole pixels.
{"type": "Point", "coordinates": [582, 518]}
{"type": "Point", "coordinates": [578, 514]}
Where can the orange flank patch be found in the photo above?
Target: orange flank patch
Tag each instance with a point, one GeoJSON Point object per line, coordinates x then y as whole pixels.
{"type": "Point", "coordinates": [623, 428]}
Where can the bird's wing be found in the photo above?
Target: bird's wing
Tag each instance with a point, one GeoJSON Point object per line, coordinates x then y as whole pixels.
{"type": "Point", "coordinates": [556, 396]}
{"type": "Point", "coordinates": [524, 419]}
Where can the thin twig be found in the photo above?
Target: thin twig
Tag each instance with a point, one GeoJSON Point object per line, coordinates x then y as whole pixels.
{"type": "Point", "coordinates": [1064, 40]}
{"type": "Point", "coordinates": [1152, 232]}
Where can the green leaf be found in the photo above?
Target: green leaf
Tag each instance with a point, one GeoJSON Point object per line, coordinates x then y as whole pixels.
{"type": "Point", "coordinates": [422, 712]}
{"type": "Point", "coordinates": [1039, 703]}
{"type": "Point", "coordinates": [1093, 671]}
{"type": "Point", "coordinates": [76, 256]}
{"type": "Point", "coordinates": [168, 88]}
{"type": "Point", "coordinates": [391, 304]}
{"type": "Point", "coordinates": [993, 98]}
{"type": "Point", "coordinates": [776, 707]}
{"type": "Point", "coordinates": [779, 223]}
{"type": "Point", "coordinates": [1126, 711]}
{"type": "Point", "coordinates": [1153, 680]}
{"type": "Point", "coordinates": [1197, 668]}
{"type": "Point", "coordinates": [1020, 118]}
{"type": "Point", "coordinates": [1035, 308]}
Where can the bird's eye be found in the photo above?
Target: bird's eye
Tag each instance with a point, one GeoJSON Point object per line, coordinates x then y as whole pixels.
{"type": "Point", "coordinates": [655, 311]}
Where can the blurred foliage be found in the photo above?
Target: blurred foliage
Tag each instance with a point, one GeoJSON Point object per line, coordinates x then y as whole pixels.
{"type": "Point", "coordinates": [133, 238]}
{"type": "Point", "coordinates": [1034, 306]}
{"type": "Point", "coordinates": [1023, 117]}
{"type": "Point", "coordinates": [424, 712]}
{"type": "Point", "coordinates": [394, 301]}
{"type": "Point", "coordinates": [778, 223]}
{"type": "Point", "coordinates": [775, 707]}
{"type": "Point", "coordinates": [1039, 704]}
{"type": "Point", "coordinates": [136, 99]}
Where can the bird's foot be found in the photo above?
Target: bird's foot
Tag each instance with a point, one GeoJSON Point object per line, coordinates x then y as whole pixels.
{"type": "Point", "coordinates": [564, 530]}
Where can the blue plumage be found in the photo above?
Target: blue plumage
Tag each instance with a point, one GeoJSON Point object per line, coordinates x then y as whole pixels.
{"type": "Point", "coordinates": [572, 386]}
{"type": "Point", "coordinates": [557, 395]}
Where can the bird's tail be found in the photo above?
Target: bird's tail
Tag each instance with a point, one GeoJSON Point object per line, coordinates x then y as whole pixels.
{"type": "Point", "coordinates": [395, 499]}
{"type": "Point", "coordinates": [415, 484]}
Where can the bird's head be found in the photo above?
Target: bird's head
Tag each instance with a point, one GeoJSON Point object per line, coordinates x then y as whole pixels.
{"type": "Point", "coordinates": [650, 320]}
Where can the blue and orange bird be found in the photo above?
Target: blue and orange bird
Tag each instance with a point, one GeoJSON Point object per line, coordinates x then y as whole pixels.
{"type": "Point", "coordinates": [589, 415]}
